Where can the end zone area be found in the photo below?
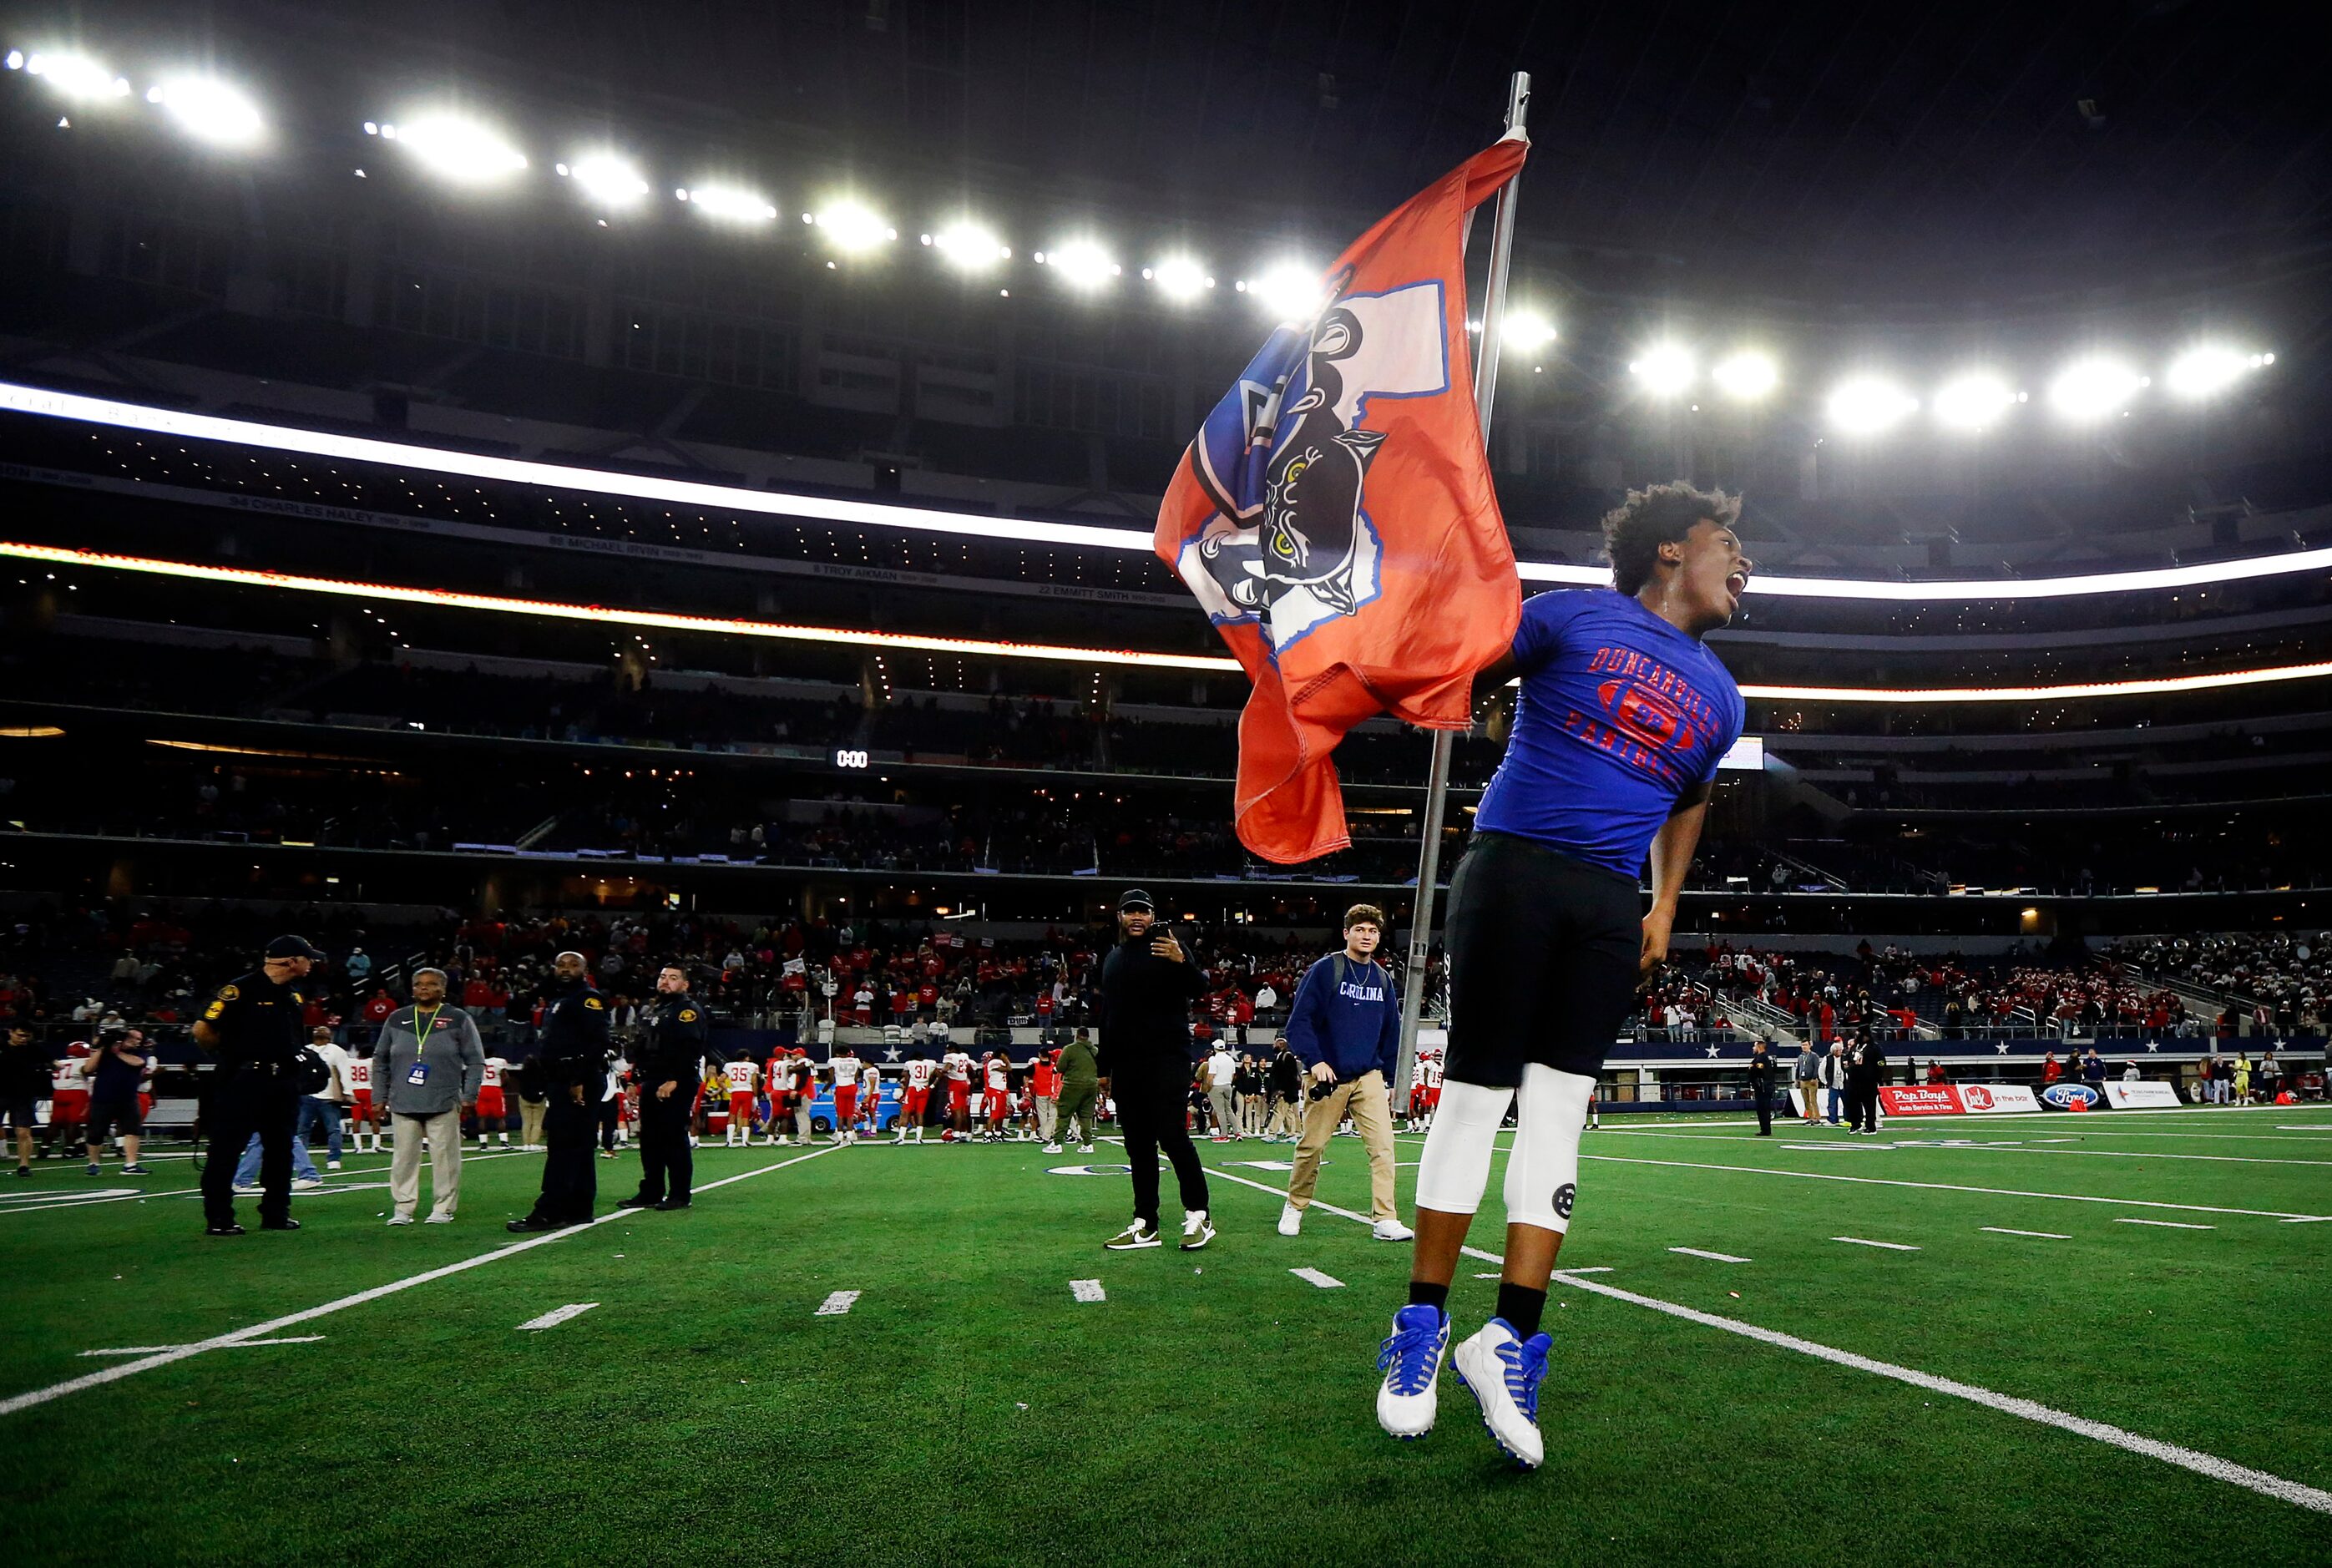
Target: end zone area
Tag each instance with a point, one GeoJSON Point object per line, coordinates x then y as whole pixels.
{"type": "Point", "coordinates": [968, 1403]}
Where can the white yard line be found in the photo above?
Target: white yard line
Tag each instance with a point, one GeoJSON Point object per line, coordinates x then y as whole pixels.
{"type": "Point", "coordinates": [2164, 1224]}
{"type": "Point", "coordinates": [334, 1185]}
{"type": "Point", "coordinates": [1889, 1246]}
{"type": "Point", "coordinates": [2298, 1494]}
{"type": "Point", "coordinates": [837, 1304]}
{"type": "Point", "coordinates": [1313, 1276]}
{"type": "Point", "coordinates": [23, 1402]}
{"type": "Point", "coordinates": [1712, 1257]}
{"type": "Point", "coordinates": [1087, 1290]}
{"type": "Point", "coordinates": [2043, 1234]}
{"type": "Point", "coordinates": [556, 1316]}
{"type": "Point", "coordinates": [1954, 1187]}
{"type": "Point", "coordinates": [246, 1344]}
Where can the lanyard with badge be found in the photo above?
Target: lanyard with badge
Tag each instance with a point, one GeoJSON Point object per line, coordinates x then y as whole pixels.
{"type": "Point", "coordinates": [420, 1073]}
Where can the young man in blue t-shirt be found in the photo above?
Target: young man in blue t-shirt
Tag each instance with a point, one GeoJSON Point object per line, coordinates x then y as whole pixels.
{"type": "Point", "coordinates": [1623, 717]}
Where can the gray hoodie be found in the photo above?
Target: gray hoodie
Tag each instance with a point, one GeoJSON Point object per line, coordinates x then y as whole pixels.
{"type": "Point", "coordinates": [455, 1055]}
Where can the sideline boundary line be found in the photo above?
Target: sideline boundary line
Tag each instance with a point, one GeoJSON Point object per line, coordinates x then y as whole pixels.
{"type": "Point", "coordinates": [2016, 1147]}
{"type": "Point", "coordinates": [25, 1401]}
{"type": "Point", "coordinates": [2298, 1494]}
{"type": "Point", "coordinates": [1955, 1187]}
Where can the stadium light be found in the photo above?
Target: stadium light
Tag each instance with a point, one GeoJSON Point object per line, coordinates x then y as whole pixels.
{"type": "Point", "coordinates": [968, 246]}
{"type": "Point", "coordinates": [606, 180]}
{"type": "Point", "coordinates": [1527, 331]}
{"type": "Point", "coordinates": [851, 227]}
{"type": "Point", "coordinates": [1179, 278]}
{"type": "Point", "coordinates": [1868, 405]}
{"type": "Point", "coordinates": [860, 636]}
{"type": "Point", "coordinates": [1746, 376]}
{"type": "Point", "coordinates": [2200, 372]}
{"type": "Point", "coordinates": [77, 76]}
{"type": "Point", "coordinates": [1975, 401]}
{"type": "Point", "coordinates": [209, 111]}
{"type": "Point", "coordinates": [1287, 291]}
{"type": "Point", "coordinates": [462, 150]}
{"type": "Point", "coordinates": [47, 403]}
{"type": "Point", "coordinates": [729, 204]}
{"type": "Point", "coordinates": [1081, 264]}
{"type": "Point", "coordinates": [2094, 388]}
{"type": "Point", "coordinates": [1665, 370]}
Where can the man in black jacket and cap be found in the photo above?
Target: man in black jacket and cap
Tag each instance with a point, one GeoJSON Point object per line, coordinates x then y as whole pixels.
{"type": "Point", "coordinates": [571, 1067]}
{"type": "Point", "coordinates": [1148, 983]}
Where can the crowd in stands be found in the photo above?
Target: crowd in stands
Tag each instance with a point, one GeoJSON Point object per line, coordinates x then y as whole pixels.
{"type": "Point", "coordinates": [2281, 978]}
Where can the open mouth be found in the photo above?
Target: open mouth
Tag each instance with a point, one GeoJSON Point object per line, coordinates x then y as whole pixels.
{"type": "Point", "coordinates": [1736, 584]}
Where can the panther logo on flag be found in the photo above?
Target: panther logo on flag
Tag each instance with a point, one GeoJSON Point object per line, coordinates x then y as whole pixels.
{"type": "Point", "coordinates": [1286, 460]}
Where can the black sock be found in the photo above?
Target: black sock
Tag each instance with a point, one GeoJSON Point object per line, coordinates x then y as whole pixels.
{"type": "Point", "coordinates": [1423, 1294]}
{"type": "Point", "coordinates": [1521, 1306]}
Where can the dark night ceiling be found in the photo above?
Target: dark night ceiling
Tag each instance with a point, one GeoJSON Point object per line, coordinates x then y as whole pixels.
{"type": "Point", "coordinates": [1803, 150]}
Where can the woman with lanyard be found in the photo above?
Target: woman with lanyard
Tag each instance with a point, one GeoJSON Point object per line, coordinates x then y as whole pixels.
{"type": "Point", "coordinates": [426, 1067]}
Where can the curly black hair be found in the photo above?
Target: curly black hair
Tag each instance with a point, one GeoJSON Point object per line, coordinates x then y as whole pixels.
{"type": "Point", "coordinates": [1649, 518]}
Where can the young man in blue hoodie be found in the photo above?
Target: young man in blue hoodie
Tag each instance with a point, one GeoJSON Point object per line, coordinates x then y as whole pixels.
{"type": "Point", "coordinates": [1345, 1028]}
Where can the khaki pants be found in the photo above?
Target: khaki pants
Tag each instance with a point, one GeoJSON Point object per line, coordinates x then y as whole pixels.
{"type": "Point", "coordinates": [1076, 1106]}
{"type": "Point", "coordinates": [1220, 1101]}
{"type": "Point", "coordinates": [443, 1132]}
{"type": "Point", "coordinates": [1363, 1099]}
{"type": "Point", "coordinates": [1048, 1117]}
{"type": "Point", "coordinates": [530, 1122]}
{"type": "Point", "coordinates": [1287, 1118]}
{"type": "Point", "coordinates": [1250, 1118]}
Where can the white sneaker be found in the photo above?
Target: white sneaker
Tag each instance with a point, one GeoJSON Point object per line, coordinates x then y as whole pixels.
{"type": "Point", "coordinates": [1291, 1219]}
{"type": "Point", "coordinates": [307, 1183]}
{"type": "Point", "coordinates": [1196, 1231]}
{"type": "Point", "coordinates": [437, 1218]}
{"type": "Point", "coordinates": [1085, 1148]}
{"type": "Point", "coordinates": [400, 1220]}
{"type": "Point", "coordinates": [248, 1189]}
{"type": "Point", "coordinates": [332, 1164]}
{"type": "Point", "coordinates": [1393, 1230]}
{"type": "Point", "coordinates": [1410, 1358]}
{"type": "Point", "coordinates": [1502, 1373]}
{"type": "Point", "coordinates": [1134, 1236]}
{"type": "Point", "coordinates": [1052, 1148]}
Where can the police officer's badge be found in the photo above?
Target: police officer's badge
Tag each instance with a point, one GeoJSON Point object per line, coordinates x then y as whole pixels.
{"type": "Point", "coordinates": [228, 993]}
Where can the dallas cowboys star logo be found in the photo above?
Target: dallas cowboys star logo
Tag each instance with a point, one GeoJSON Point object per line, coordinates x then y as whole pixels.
{"type": "Point", "coordinates": [892, 1054]}
{"type": "Point", "coordinates": [2002, 1047]}
{"type": "Point", "coordinates": [1711, 1053]}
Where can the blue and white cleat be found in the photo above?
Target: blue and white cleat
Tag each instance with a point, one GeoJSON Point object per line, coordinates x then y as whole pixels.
{"type": "Point", "coordinates": [1411, 1361]}
{"type": "Point", "coordinates": [1503, 1374]}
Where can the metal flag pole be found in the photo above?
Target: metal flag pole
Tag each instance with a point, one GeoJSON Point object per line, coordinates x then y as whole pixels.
{"type": "Point", "coordinates": [1436, 776]}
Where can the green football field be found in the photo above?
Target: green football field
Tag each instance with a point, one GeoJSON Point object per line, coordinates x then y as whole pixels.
{"type": "Point", "coordinates": [2105, 1338]}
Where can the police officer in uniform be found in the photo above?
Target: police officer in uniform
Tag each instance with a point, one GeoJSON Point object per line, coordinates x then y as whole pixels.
{"type": "Point", "coordinates": [569, 1065]}
{"type": "Point", "coordinates": [667, 1076]}
{"type": "Point", "coordinates": [1761, 1085]}
{"type": "Point", "coordinates": [252, 1027]}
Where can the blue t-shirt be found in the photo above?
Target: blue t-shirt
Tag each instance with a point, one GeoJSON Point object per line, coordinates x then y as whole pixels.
{"type": "Point", "coordinates": [1620, 714]}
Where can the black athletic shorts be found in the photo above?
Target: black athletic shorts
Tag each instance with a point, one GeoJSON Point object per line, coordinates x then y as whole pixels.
{"type": "Point", "coordinates": [107, 1117]}
{"type": "Point", "coordinates": [1543, 952]}
{"type": "Point", "coordinates": [23, 1111]}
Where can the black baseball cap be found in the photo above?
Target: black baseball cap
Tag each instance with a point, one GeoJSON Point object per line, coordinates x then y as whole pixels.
{"type": "Point", "coordinates": [1134, 898]}
{"type": "Point", "coordinates": [294, 947]}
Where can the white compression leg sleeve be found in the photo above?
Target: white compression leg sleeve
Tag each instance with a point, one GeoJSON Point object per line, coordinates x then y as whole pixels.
{"type": "Point", "coordinates": [1543, 1172]}
{"type": "Point", "coordinates": [1455, 1169]}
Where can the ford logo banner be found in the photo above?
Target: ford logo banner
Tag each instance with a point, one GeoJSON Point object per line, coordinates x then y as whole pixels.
{"type": "Point", "coordinates": [2071, 1097]}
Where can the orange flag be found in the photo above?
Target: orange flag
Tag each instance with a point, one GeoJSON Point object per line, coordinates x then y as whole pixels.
{"type": "Point", "coordinates": [1334, 516]}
